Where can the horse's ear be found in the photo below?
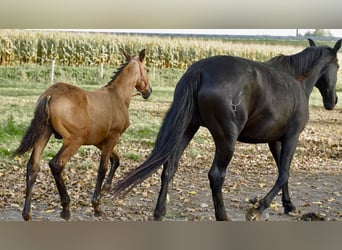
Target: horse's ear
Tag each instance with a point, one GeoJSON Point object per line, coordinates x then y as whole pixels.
{"type": "Point", "coordinates": [142, 55]}
{"type": "Point", "coordinates": [127, 56]}
{"type": "Point", "coordinates": [337, 46]}
{"type": "Point", "coordinates": [312, 43]}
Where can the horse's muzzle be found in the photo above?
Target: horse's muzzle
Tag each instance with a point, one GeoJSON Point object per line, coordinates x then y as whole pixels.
{"type": "Point", "coordinates": [330, 105]}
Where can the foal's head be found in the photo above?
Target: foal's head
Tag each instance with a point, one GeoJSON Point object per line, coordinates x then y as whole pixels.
{"type": "Point", "coordinates": [327, 81]}
{"type": "Point", "coordinates": [142, 83]}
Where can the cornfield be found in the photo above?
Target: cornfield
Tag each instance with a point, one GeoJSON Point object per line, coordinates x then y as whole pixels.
{"type": "Point", "coordinates": [87, 49]}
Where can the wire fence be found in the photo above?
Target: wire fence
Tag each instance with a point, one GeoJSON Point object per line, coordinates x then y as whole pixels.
{"type": "Point", "coordinates": [91, 75]}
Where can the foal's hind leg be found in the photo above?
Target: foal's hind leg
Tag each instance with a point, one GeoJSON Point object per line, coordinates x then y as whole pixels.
{"type": "Point", "coordinates": [114, 164]}
{"type": "Point", "coordinates": [100, 177]}
{"type": "Point", "coordinates": [107, 151]}
{"type": "Point", "coordinates": [169, 170]}
{"type": "Point", "coordinates": [275, 148]}
{"type": "Point", "coordinates": [32, 170]}
{"type": "Point", "coordinates": [57, 165]}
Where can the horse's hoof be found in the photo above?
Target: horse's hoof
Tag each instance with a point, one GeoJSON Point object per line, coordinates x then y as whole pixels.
{"type": "Point", "coordinates": [290, 209]}
{"type": "Point", "coordinates": [158, 218]}
{"type": "Point", "coordinates": [253, 214]}
{"type": "Point", "coordinates": [65, 214]}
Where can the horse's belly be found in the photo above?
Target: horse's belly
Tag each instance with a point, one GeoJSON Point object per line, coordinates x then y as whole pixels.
{"type": "Point", "coordinates": [261, 133]}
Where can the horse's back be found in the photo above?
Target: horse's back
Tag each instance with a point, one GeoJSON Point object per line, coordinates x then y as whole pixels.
{"type": "Point", "coordinates": [249, 97]}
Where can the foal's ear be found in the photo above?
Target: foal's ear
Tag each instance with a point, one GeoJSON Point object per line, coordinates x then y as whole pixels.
{"type": "Point", "coordinates": [142, 55]}
{"type": "Point", "coordinates": [312, 43]}
{"type": "Point", "coordinates": [337, 46]}
{"type": "Point", "coordinates": [127, 56]}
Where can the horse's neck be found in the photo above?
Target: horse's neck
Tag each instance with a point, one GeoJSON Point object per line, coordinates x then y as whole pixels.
{"type": "Point", "coordinates": [310, 82]}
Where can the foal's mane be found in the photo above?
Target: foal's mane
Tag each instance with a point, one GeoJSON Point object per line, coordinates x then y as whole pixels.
{"type": "Point", "coordinates": [301, 63]}
{"type": "Point", "coordinates": [117, 73]}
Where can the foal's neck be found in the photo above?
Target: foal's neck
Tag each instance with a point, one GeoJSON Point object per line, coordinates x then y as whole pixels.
{"type": "Point", "coordinates": [123, 85]}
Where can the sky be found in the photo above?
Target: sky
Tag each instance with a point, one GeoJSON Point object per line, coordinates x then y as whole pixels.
{"type": "Point", "coordinates": [271, 32]}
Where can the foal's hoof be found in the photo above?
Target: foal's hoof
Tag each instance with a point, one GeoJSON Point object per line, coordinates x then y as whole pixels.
{"type": "Point", "coordinates": [98, 213]}
{"type": "Point", "coordinates": [27, 217]}
{"type": "Point", "coordinates": [253, 214]}
{"type": "Point", "coordinates": [106, 187]}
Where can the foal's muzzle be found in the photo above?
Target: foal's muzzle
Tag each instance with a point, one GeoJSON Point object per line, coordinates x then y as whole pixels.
{"type": "Point", "coordinates": [147, 93]}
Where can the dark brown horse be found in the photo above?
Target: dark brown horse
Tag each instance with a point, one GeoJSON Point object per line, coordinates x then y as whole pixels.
{"type": "Point", "coordinates": [82, 117]}
{"type": "Point", "coordinates": [241, 100]}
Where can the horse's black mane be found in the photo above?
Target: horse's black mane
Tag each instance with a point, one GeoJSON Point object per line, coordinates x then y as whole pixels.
{"type": "Point", "coordinates": [301, 63]}
{"type": "Point", "coordinates": [117, 73]}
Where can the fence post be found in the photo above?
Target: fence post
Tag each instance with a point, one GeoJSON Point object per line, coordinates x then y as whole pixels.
{"type": "Point", "coordinates": [52, 70]}
{"type": "Point", "coordinates": [101, 70]}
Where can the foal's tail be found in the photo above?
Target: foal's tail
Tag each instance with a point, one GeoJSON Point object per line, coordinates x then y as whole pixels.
{"type": "Point", "coordinates": [170, 134]}
{"type": "Point", "coordinates": [38, 126]}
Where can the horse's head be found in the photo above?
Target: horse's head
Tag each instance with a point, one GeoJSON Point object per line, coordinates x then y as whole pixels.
{"type": "Point", "coordinates": [328, 78]}
{"type": "Point", "coordinates": [142, 83]}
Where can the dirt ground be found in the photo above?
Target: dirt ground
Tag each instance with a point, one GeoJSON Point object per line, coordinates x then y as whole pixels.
{"type": "Point", "coordinates": [315, 182]}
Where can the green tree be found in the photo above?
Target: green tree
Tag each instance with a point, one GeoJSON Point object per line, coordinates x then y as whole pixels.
{"type": "Point", "coordinates": [318, 32]}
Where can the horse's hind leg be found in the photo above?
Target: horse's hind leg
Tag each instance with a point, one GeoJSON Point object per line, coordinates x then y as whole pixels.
{"type": "Point", "coordinates": [169, 170]}
{"type": "Point", "coordinates": [114, 164]}
{"type": "Point", "coordinates": [223, 154]}
{"type": "Point", "coordinates": [57, 165]}
{"type": "Point", "coordinates": [32, 169]}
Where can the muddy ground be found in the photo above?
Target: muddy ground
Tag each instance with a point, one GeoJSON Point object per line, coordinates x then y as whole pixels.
{"type": "Point", "coordinates": [315, 182]}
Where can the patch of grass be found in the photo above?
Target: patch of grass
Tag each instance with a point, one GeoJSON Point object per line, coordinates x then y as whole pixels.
{"type": "Point", "coordinates": [132, 156]}
{"type": "Point", "coordinates": [9, 132]}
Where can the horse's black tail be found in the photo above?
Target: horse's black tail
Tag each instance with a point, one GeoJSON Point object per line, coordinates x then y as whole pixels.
{"type": "Point", "coordinates": [38, 125]}
{"type": "Point", "coordinates": [169, 137]}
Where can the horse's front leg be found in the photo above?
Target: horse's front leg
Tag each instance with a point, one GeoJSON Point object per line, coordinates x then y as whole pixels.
{"type": "Point", "coordinates": [275, 148]}
{"type": "Point", "coordinates": [287, 151]}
